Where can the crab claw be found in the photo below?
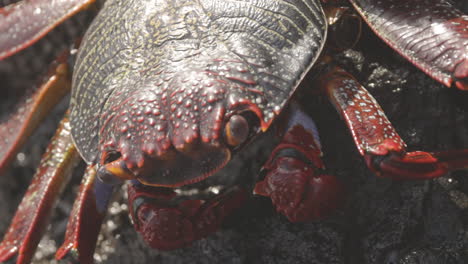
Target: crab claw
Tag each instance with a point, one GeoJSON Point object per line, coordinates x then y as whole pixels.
{"type": "Point", "coordinates": [166, 224]}
{"type": "Point", "coordinates": [299, 193]}
{"type": "Point", "coordinates": [293, 180]}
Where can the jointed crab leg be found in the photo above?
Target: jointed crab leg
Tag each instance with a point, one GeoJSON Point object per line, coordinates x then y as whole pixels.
{"type": "Point", "coordinates": [432, 34]}
{"type": "Point", "coordinates": [376, 138]}
{"type": "Point", "coordinates": [25, 22]}
{"type": "Point", "coordinates": [86, 218]}
{"type": "Point", "coordinates": [30, 111]}
{"type": "Point", "coordinates": [31, 219]}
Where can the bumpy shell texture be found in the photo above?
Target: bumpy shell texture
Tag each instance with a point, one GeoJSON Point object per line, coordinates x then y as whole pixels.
{"type": "Point", "coordinates": [158, 75]}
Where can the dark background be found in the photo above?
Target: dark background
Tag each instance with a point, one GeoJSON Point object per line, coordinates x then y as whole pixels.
{"type": "Point", "coordinates": [382, 221]}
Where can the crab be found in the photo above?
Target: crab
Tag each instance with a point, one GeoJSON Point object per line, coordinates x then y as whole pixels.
{"type": "Point", "coordinates": [114, 166]}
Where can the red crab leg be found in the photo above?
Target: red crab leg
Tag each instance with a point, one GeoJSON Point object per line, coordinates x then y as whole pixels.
{"type": "Point", "coordinates": [31, 219]}
{"type": "Point", "coordinates": [25, 22]}
{"type": "Point", "coordinates": [377, 140]}
{"type": "Point", "coordinates": [432, 34]}
{"type": "Point", "coordinates": [30, 111]}
{"type": "Point", "coordinates": [293, 175]}
{"type": "Point", "coordinates": [86, 219]}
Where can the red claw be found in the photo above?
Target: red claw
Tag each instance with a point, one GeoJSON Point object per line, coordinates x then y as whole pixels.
{"type": "Point", "coordinates": [164, 228]}
{"type": "Point", "coordinates": [298, 193]}
{"type": "Point", "coordinates": [293, 183]}
{"type": "Point", "coordinates": [168, 227]}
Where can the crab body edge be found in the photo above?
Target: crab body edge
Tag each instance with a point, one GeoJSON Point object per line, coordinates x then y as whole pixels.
{"type": "Point", "coordinates": [172, 77]}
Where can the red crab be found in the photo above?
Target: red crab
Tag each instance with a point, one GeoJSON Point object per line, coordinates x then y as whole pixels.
{"type": "Point", "coordinates": [395, 166]}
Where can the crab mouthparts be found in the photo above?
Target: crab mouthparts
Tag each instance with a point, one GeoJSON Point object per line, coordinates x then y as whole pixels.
{"type": "Point", "coordinates": [173, 170]}
{"type": "Point", "coordinates": [171, 197]}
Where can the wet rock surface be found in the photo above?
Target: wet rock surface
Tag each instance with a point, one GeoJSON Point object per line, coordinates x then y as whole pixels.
{"type": "Point", "coordinates": [382, 221]}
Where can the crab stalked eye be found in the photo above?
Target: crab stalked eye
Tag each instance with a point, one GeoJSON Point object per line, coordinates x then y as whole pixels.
{"type": "Point", "coordinates": [236, 130]}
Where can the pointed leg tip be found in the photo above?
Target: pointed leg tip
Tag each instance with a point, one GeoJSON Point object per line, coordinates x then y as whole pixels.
{"type": "Point", "coordinates": [62, 252]}
{"type": "Point", "coordinates": [8, 254]}
{"type": "Point", "coordinates": [462, 85]}
{"type": "Point", "coordinates": [461, 75]}
{"type": "Point", "coordinates": [418, 165]}
{"type": "Point", "coordinates": [69, 253]}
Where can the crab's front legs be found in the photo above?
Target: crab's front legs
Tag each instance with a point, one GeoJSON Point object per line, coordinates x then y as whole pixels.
{"type": "Point", "coordinates": [377, 141]}
{"type": "Point", "coordinates": [167, 224]}
{"type": "Point", "coordinates": [293, 174]}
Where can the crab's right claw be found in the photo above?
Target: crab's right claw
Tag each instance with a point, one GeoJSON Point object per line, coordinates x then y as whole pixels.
{"type": "Point", "coordinates": [431, 34]}
{"type": "Point", "coordinates": [25, 22]}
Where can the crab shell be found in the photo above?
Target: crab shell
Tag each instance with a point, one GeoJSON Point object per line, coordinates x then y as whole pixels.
{"type": "Point", "coordinates": [155, 83]}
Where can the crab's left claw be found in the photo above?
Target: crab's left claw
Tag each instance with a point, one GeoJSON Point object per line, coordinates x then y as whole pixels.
{"type": "Point", "coordinates": [431, 34]}
{"type": "Point", "coordinates": [166, 224]}
{"type": "Point", "coordinates": [32, 217]}
{"type": "Point", "coordinates": [25, 22]}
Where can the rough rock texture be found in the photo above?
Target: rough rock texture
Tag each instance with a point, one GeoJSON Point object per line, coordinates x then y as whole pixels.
{"type": "Point", "coordinates": [382, 221]}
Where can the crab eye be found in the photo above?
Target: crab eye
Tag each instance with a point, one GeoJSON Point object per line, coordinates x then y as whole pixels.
{"type": "Point", "coordinates": [236, 130]}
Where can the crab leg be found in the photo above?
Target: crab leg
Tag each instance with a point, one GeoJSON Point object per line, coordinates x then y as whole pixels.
{"type": "Point", "coordinates": [86, 218]}
{"type": "Point", "coordinates": [31, 219]}
{"type": "Point", "coordinates": [432, 34]}
{"type": "Point", "coordinates": [293, 175]}
{"type": "Point", "coordinates": [25, 22]}
{"type": "Point", "coordinates": [31, 110]}
{"type": "Point", "coordinates": [376, 139]}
